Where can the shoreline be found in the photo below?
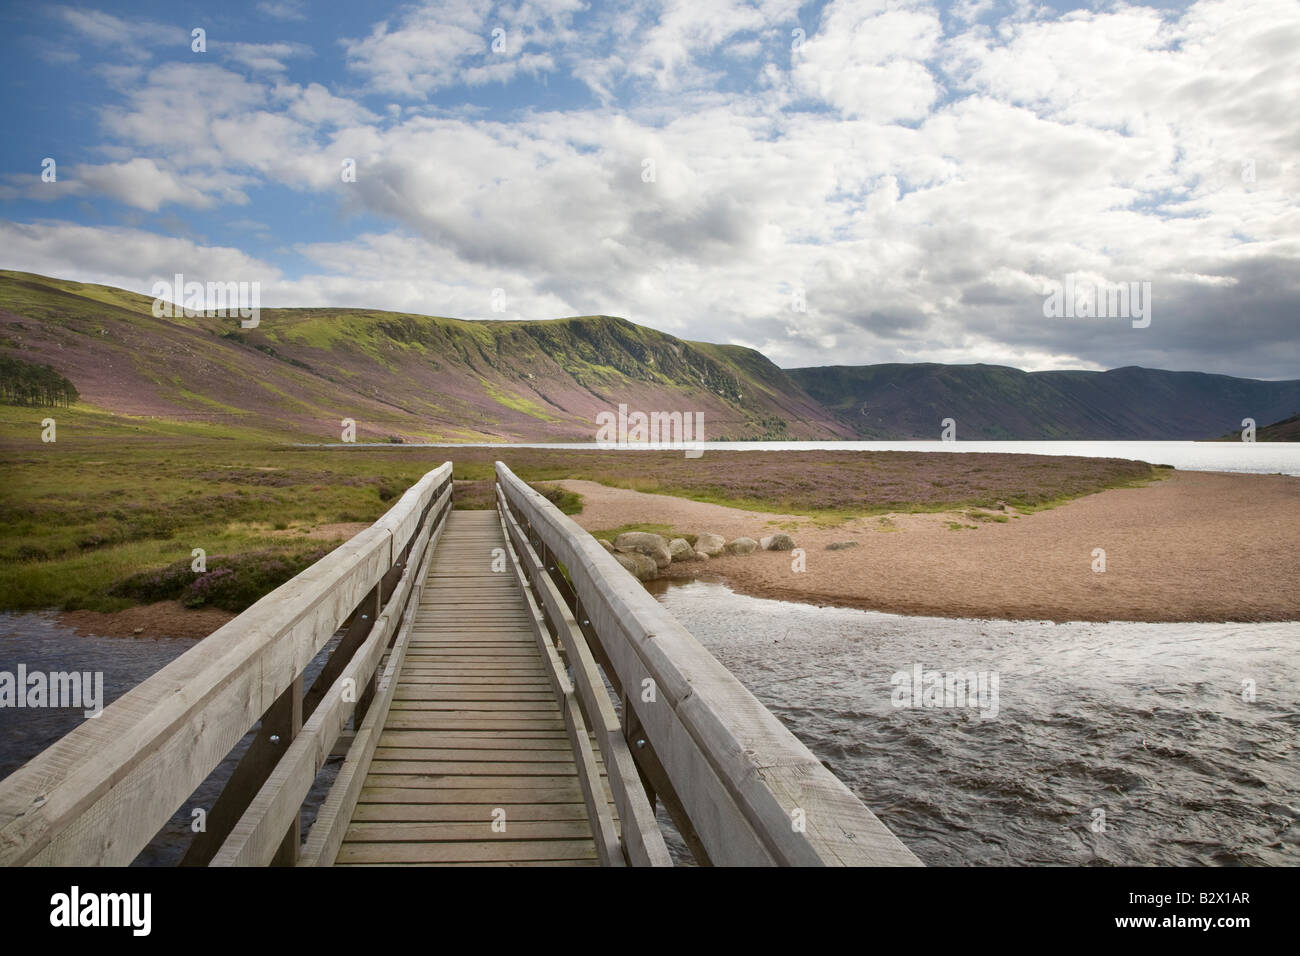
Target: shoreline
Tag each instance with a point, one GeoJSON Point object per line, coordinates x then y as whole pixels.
{"type": "Point", "coordinates": [162, 620]}
{"type": "Point", "coordinates": [1049, 615]}
{"type": "Point", "coordinates": [1196, 547]}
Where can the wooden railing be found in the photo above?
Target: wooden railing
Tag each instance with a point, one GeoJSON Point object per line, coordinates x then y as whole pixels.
{"type": "Point", "coordinates": [101, 793]}
{"type": "Point", "coordinates": [740, 788]}
{"type": "Point", "coordinates": [584, 701]}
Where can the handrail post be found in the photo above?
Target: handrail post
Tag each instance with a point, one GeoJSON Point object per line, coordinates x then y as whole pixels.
{"type": "Point", "coordinates": [290, 723]}
{"type": "Point", "coordinates": [366, 694]}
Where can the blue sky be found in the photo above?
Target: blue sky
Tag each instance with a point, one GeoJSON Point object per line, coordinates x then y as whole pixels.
{"type": "Point", "coordinates": [918, 171]}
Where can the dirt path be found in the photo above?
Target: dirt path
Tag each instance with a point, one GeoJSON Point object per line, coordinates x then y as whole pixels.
{"type": "Point", "coordinates": [1194, 547]}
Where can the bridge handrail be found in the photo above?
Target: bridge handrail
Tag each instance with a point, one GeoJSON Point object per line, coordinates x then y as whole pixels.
{"type": "Point", "coordinates": [638, 839]}
{"type": "Point", "coordinates": [753, 792]}
{"type": "Point", "coordinates": [98, 795]}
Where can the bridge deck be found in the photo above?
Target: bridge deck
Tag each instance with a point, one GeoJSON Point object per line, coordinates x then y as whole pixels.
{"type": "Point", "coordinates": [474, 727]}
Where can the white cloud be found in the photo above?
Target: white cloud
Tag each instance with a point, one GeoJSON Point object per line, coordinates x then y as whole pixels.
{"type": "Point", "coordinates": [134, 37]}
{"type": "Point", "coordinates": [869, 60]}
{"type": "Point", "coordinates": [282, 9]}
{"type": "Point", "coordinates": [129, 258]}
{"type": "Point", "coordinates": [261, 57]}
{"type": "Point", "coordinates": [140, 183]}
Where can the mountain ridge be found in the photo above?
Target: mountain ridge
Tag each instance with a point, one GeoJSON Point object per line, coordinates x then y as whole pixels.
{"type": "Point", "coordinates": [409, 377]}
{"type": "Point", "coordinates": [995, 402]}
{"type": "Point", "coordinates": [414, 377]}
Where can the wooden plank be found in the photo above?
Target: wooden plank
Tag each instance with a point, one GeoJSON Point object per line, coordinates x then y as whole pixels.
{"type": "Point", "coordinates": [476, 756]}
{"type": "Point", "coordinates": [570, 792]}
{"type": "Point", "coordinates": [483, 851]}
{"type": "Point", "coordinates": [481, 741]}
{"type": "Point", "coordinates": [468, 781]}
{"type": "Point", "coordinates": [476, 768]}
{"type": "Point", "coordinates": [448, 831]}
{"type": "Point", "coordinates": [466, 812]}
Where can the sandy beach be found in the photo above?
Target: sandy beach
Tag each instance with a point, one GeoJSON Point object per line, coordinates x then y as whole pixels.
{"type": "Point", "coordinates": [1196, 546]}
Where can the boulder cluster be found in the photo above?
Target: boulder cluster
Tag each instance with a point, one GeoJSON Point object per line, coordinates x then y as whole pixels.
{"type": "Point", "coordinates": [645, 554]}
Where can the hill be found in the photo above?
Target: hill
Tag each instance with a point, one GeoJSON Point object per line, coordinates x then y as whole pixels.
{"type": "Point", "coordinates": [1286, 430]}
{"type": "Point", "coordinates": [414, 377]}
{"type": "Point", "coordinates": [994, 402]}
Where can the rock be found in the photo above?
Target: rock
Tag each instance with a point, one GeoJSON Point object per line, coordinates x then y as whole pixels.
{"type": "Point", "coordinates": [681, 550]}
{"type": "Point", "coordinates": [709, 544]}
{"type": "Point", "coordinates": [653, 546]}
{"type": "Point", "coordinates": [841, 545]}
{"type": "Point", "coordinates": [640, 566]}
{"type": "Point", "coordinates": [700, 556]}
{"type": "Point", "coordinates": [742, 546]}
{"type": "Point", "coordinates": [777, 542]}
{"type": "Point", "coordinates": [605, 544]}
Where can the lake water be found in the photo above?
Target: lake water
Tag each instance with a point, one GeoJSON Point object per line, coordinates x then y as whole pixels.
{"type": "Point", "coordinates": [1248, 457]}
{"type": "Point", "coordinates": [1111, 744]}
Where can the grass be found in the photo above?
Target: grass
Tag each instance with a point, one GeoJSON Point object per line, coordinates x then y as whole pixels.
{"type": "Point", "coordinates": [516, 402]}
{"type": "Point", "coordinates": [480, 495]}
{"type": "Point", "coordinates": [116, 496]}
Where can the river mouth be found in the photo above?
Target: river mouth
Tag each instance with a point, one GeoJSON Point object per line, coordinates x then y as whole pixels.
{"type": "Point", "coordinates": [1081, 744]}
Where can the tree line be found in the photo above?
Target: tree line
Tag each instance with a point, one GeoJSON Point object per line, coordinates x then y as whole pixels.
{"type": "Point", "coordinates": [24, 383]}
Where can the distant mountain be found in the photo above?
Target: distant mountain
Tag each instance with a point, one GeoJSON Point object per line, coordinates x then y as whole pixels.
{"type": "Point", "coordinates": [1286, 430]}
{"type": "Point", "coordinates": [416, 377]}
{"type": "Point", "coordinates": [993, 402]}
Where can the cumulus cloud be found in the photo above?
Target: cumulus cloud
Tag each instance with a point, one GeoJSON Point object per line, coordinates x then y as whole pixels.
{"type": "Point", "coordinates": [438, 44]}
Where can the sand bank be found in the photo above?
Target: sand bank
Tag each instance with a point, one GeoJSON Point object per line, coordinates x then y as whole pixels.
{"type": "Point", "coordinates": [1194, 547]}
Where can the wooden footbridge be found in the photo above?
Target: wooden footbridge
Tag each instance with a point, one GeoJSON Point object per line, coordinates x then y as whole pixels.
{"type": "Point", "coordinates": [501, 692]}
